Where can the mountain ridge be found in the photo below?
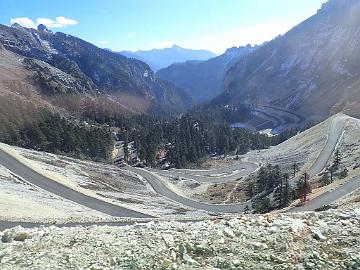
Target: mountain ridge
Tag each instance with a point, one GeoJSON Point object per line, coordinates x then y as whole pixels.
{"type": "Point", "coordinates": [203, 79]}
{"type": "Point", "coordinates": [312, 69]}
{"type": "Point", "coordinates": [161, 58]}
{"type": "Point", "coordinates": [99, 71]}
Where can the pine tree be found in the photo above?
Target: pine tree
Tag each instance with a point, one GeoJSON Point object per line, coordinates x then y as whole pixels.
{"type": "Point", "coordinates": [126, 146]}
{"type": "Point", "coordinates": [332, 171]}
{"type": "Point", "coordinates": [325, 178]}
{"type": "Point", "coordinates": [282, 194]}
{"type": "Point", "coordinates": [344, 173]}
{"type": "Point", "coordinates": [295, 167]}
{"type": "Point", "coordinates": [273, 177]}
{"type": "Point", "coordinates": [304, 188]}
{"type": "Point", "coordinates": [337, 160]}
{"type": "Point", "coordinates": [263, 205]}
{"type": "Point", "coordinates": [286, 191]}
{"type": "Point", "coordinates": [251, 189]}
{"type": "Point", "coordinates": [278, 196]}
{"type": "Point", "coordinates": [261, 180]}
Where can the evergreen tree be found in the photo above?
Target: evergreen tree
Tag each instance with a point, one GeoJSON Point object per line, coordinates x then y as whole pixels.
{"type": "Point", "coordinates": [295, 167]}
{"type": "Point", "coordinates": [126, 146]}
{"type": "Point", "coordinates": [282, 194]}
{"type": "Point", "coordinates": [325, 180]}
{"type": "Point", "coordinates": [36, 138]}
{"type": "Point", "coordinates": [337, 160]}
{"type": "Point", "coordinates": [344, 173]}
{"type": "Point", "coordinates": [278, 196]}
{"type": "Point", "coordinates": [251, 189]}
{"type": "Point", "coordinates": [261, 180]}
{"type": "Point", "coordinates": [263, 205]}
{"type": "Point", "coordinates": [304, 188]}
{"type": "Point", "coordinates": [287, 194]}
{"type": "Point", "coordinates": [332, 171]}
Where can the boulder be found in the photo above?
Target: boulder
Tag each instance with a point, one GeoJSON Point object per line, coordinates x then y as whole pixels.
{"type": "Point", "coordinates": [17, 233]}
{"type": "Point", "coordinates": [21, 236]}
{"type": "Point", "coordinates": [258, 245]}
{"type": "Point", "coordinates": [297, 225]}
{"type": "Point", "coordinates": [228, 232]}
{"type": "Point", "coordinates": [169, 240]}
{"type": "Point", "coordinates": [317, 234]}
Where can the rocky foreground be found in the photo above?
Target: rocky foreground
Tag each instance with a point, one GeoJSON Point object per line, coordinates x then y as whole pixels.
{"type": "Point", "coordinates": [324, 240]}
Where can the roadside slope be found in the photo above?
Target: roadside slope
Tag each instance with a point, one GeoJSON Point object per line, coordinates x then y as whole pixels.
{"type": "Point", "coordinates": [20, 169]}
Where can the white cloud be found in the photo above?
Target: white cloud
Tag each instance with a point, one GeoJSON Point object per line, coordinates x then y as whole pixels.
{"type": "Point", "coordinates": [103, 42]}
{"type": "Point", "coordinates": [253, 34]}
{"type": "Point", "coordinates": [131, 34]}
{"type": "Point", "coordinates": [59, 22]}
{"type": "Point", "coordinates": [44, 21]}
{"type": "Point", "coordinates": [63, 22]}
{"type": "Point", "coordinates": [24, 21]}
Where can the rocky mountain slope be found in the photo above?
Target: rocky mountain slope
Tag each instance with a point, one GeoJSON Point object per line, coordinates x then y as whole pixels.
{"type": "Point", "coordinates": [161, 58]}
{"type": "Point", "coordinates": [328, 240]}
{"type": "Point", "coordinates": [313, 69]}
{"type": "Point", "coordinates": [203, 80]}
{"type": "Point", "coordinates": [63, 64]}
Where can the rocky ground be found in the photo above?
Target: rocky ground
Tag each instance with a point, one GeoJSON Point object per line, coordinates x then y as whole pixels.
{"type": "Point", "coordinates": [314, 240]}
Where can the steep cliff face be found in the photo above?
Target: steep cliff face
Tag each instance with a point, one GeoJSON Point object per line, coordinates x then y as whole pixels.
{"type": "Point", "coordinates": [66, 64]}
{"type": "Point", "coordinates": [203, 80]}
{"type": "Point", "coordinates": [313, 69]}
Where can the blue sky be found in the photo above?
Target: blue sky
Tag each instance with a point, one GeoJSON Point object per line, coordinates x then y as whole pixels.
{"type": "Point", "coordinates": [145, 24]}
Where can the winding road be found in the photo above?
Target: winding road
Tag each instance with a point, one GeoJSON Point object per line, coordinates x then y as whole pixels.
{"type": "Point", "coordinates": [65, 192]}
{"type": "Point", "coordinates": [335, 131]}
{"type": "Point", "coordinates": [226, 174]}
{"type": "Point", "coordinates": [297, 118]}
{"type": "Point", "coordinates": [275, 121]}
{"type": "Point", "coordinates": [160, 185]}
{"type": "Point", "coordinates": [336, 128]}
{"type": "Point", "coordinates": [329, 197]}
{"type": "Point", "coordinates": [163, 189]}
{"type": "Point", "coordinates": [271, 117]}
{"type": "Point", "coordinates": [280, 118]}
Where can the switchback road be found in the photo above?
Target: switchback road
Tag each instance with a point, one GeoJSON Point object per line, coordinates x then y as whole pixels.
{"type": "Point", "coordinates": [18, 168]}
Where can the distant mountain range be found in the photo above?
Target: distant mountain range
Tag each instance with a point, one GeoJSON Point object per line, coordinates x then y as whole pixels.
{"type": "Point", "coordinates": [203, 80]}
{"type": "Point", "coordinates": [314, 69]}
{"type": "Point", "coordinates": [161, 58]}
